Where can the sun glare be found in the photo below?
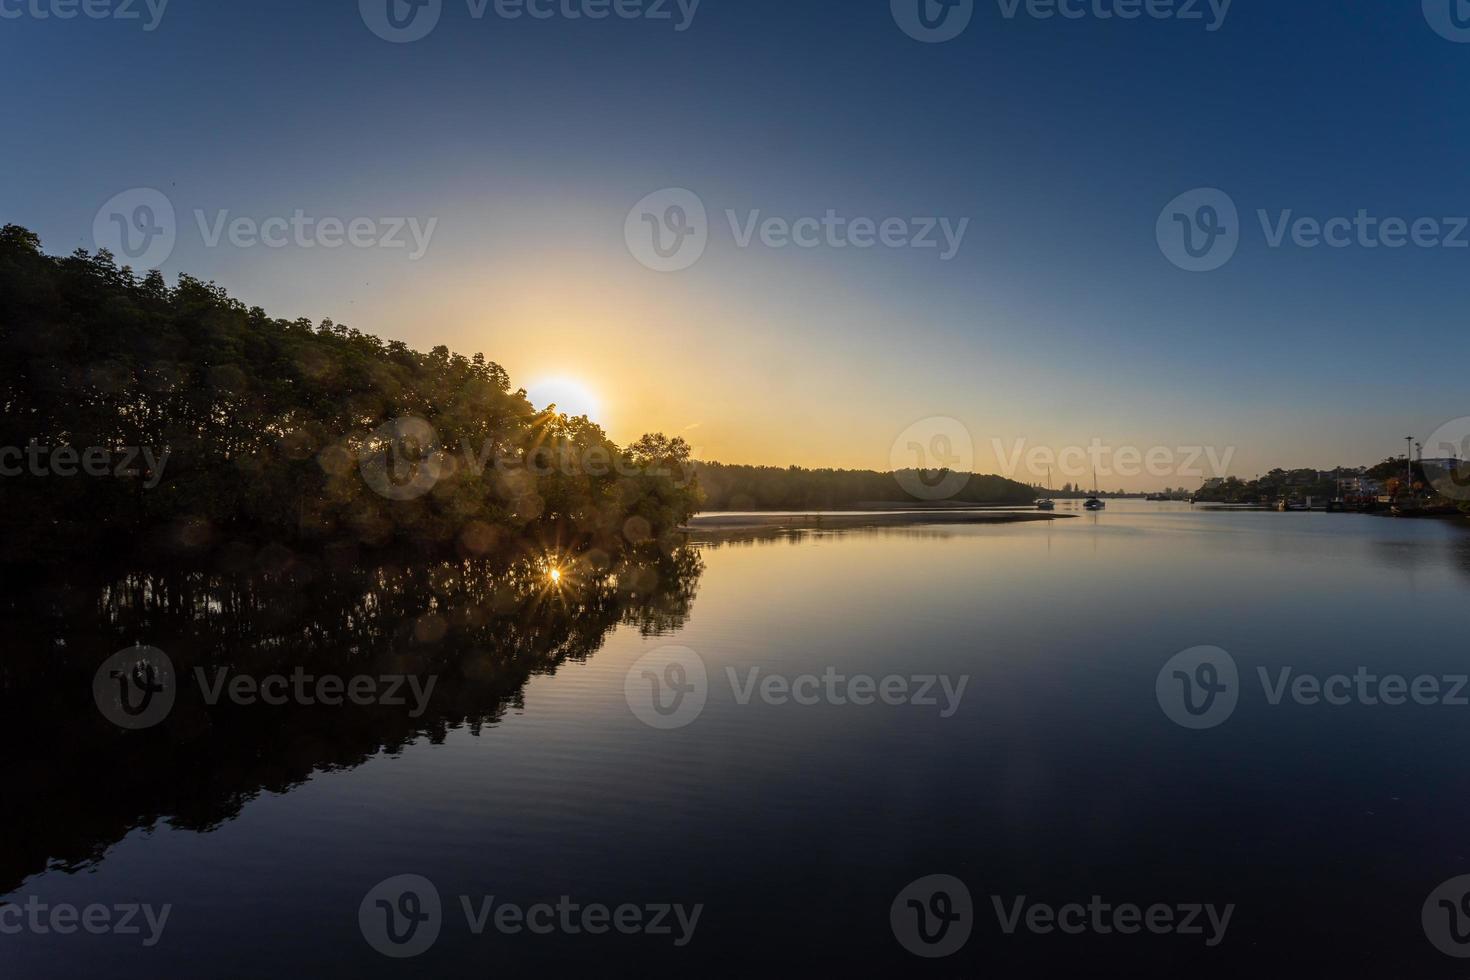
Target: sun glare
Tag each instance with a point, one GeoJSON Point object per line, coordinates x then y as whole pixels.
{"type": "Point", "coordinates": [569, 396]}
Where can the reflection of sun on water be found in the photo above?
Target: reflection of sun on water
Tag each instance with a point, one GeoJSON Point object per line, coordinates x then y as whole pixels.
{"type": "Point", "coordinates": [569, 396]}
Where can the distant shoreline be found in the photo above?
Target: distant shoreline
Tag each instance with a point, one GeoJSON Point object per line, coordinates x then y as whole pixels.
{"type": "Point", "coordinates": [830, 519]}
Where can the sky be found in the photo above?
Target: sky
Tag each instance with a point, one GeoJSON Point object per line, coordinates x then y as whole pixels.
{"type": "Point", "coordinates": [535, 156]}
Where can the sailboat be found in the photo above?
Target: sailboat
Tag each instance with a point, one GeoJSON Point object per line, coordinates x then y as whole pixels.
{"type": "Point", "coordinates": [1046, 503]}
{"type": "Point", "coordinates": [1094, 502]}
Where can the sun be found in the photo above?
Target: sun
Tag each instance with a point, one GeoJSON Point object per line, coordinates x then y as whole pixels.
{"type": "Point", "coordinates": [570, 397]}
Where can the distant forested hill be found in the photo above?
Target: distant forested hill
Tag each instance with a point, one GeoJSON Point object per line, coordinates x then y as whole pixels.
{"type": "Point", "coordinates": [774, 488]}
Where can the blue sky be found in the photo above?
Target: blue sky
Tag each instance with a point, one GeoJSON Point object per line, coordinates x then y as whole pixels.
{"type": "Point", "coordinates": [1058, 321]}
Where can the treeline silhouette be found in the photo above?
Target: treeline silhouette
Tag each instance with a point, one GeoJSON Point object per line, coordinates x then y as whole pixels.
{"type": "Point", "coordinates": [258, 427]}
{"type": "Point", "coordinates": [727, 487]}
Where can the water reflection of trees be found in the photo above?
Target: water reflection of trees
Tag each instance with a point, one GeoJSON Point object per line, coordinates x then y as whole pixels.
{"type": "Point", "coordinates": [751, 537]}
{"type": "Point", "coordinates": [75, 784]}
{"type": "Point", "coordinates": [1426, 552]}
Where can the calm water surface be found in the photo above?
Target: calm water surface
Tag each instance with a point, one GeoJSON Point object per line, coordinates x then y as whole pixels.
{"type": "Point", "coordinates": [1058, 777]}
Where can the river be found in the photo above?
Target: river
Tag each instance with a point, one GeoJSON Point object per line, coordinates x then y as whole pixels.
{"type": "Point", "coordinates": [755, 754]}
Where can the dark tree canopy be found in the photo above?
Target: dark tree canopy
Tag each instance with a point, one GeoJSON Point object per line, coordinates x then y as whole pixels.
{"type": "Point", "coordinates": [257, 428]}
